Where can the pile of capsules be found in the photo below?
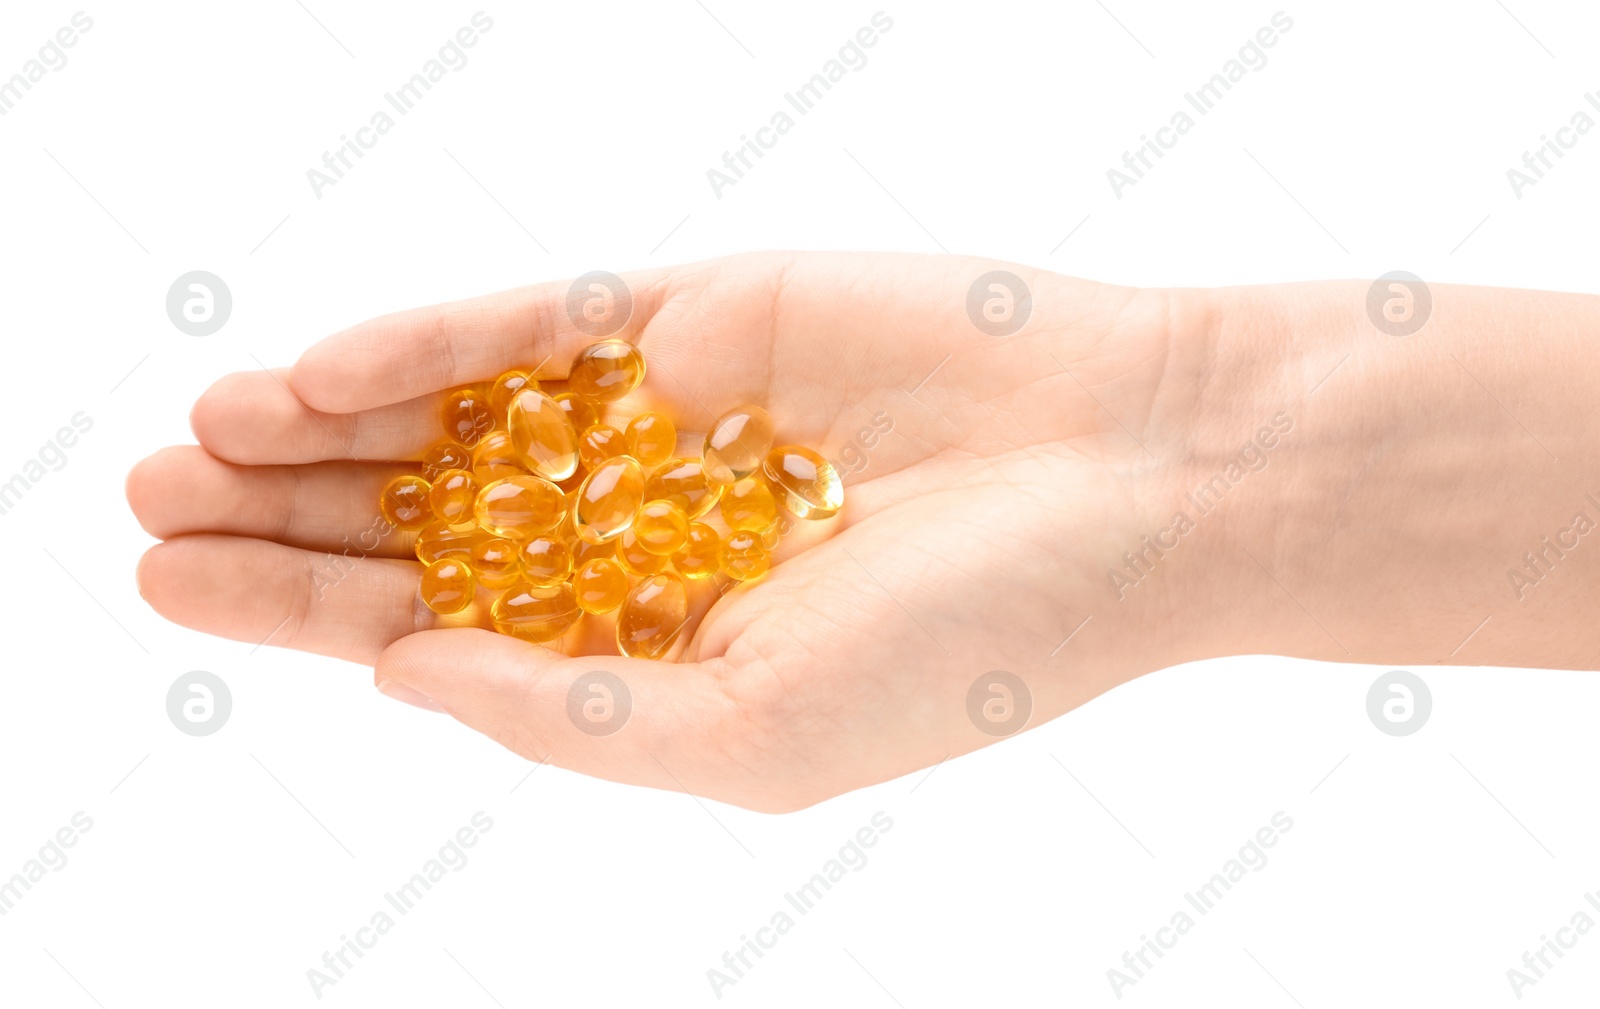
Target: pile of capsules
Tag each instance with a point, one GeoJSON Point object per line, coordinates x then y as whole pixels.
{"type": "Point", "coordinates": [536, 499]}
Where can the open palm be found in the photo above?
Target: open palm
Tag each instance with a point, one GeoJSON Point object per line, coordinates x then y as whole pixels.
{"type": "Point", "coordinates": [989, 480]}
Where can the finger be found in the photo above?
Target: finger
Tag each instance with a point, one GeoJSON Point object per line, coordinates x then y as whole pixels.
{"type": "Point", "coordinates": [420, 351]}
{"type": "Point", "coordinates": [252, 418]}
{"type": "Point", "coordinates": [350, 607]}
{"type": "Point", "coordinates": [321, 507]}
{"type": "Point", "coordinates": [666, 725]}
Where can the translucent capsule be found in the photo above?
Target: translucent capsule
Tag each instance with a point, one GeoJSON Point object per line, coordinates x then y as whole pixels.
{"type": "Point", "coordinates": [737, 444]}
{"type": "Point", "coordinates": [600, 585]}
{"type": "Point", "coordinates": [443, 456]}
{"type": "Point", "coordinates": [804, 482]}
{"type": "Point", "coordinates": [542, 435]}
{"type": "Point", "coordinates": [439, 542]}
{"type": "Point", "coordinates": [505, 389]}
{"type": "Point", "coordinates": [404, 502]}
{"type": "Point", "coordinates": [661, 527]}
{"type": "Point", "coordinates": [651, 439]}
{"type": "Point", "coordinates": [744, 558]}
{"type": "Point", "coordinates": [447, 587]}
{"type": "Point", "coordinates": [606, 371]}
{"type": "Point", "coordinates": [519, 507]}
{"type": "Point", "coordinates": [452, 497]}
{"type": "Point", "coordinates": [495, 458]}
{"type": "Point", "coordinates": [609, 499]}
{"type": "Point", "coordinates": [683, 482]}
{"type": "Point", "coordinates": [546, 561]}
{"type": "Point", "coordinates": [496, 562]}
{"type": "Point", "coordinates": [748, 505]}
{"type": "Point", "coordinates": [535, 612]}
{"type": "Point", "coordinates": [598, 443]}
{"type": "Point", "coordinates": [580, 411]}
{"type": "Point", "coordinates": [467, 416]}
{"type": "Point", "coordinates": [701, 554]}
{"type": "Point", "coordinates": [653, 616]}
{"type": "Point", "coordinates": [635, 559]}
{"type": "Point", "coordinates": [583, 551]}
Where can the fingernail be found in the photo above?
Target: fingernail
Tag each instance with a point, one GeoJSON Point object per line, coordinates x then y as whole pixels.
{"type": "Point", "coordinates": [403, 693]}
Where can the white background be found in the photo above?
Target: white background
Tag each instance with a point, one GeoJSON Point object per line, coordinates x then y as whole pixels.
{"type": "Point", "coordinates": [219, 869]}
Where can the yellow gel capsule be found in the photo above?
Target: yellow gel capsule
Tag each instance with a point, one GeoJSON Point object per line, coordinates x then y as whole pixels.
{"type": "Point", "coordinates": [542, 435]}
{"type": "Point", "coordinates": [744, 558]}
{"type": "Point", "coordinates": [439, 542]}
{"type": "Point", "coordinates": [737, 444]}
{"type": "Point", "coordinates": [546, 561]}
{"type": "Point", "coordinates": [447, 587]}
{"type": "Point", "coordinates": [467, 416]}
{"type": "Point", "coordinates": [505, 389]}
{"type": "Point", "coordinates": [496, 562]}
{"type": "Point", "coordinates": [701, 554]}
{"type": "Point", "coordinates": [661, 527]}
{"type": "Point", "coordinates": [535, 612]}
{"type": "Point", "coordinates": [748, 505]}
{"type": "Point", "coordinates": [606, 371]}
{"type": "Point", "coordinates": [443, 456]}
{"type": "Point", "coordinates": [600, 585]}
{"type": "Point", "coordinates": [635, 559]}
{"type": "Point", "coordinates": [452, 497]}
{"type": "Point", "coordinates": [404, 503]}
{"type": "Point", "coordinates": [580, 411]}
{"type": "Point", "coordinates": [494, 458]}
{"type": "Point", "coordinates": [608, 500]}
{"type": "Point", "coordinates": [651, 439]}
{"type": "Point", "coordinates": [583, 551]}
{"type": "Point", "coordinates": [652, 616]}
{"type": "Point", "coordinates": [598, 443]}
{"type": "Point", "coordinates": [519, 507]}
{"type": "Point", "coordinates": [683, 482]}
{"type": "Point", "coordinates": [804, 482]}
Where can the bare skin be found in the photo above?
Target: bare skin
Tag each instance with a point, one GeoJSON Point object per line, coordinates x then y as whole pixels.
{"type": "Point", "coordinates": [990, 529]}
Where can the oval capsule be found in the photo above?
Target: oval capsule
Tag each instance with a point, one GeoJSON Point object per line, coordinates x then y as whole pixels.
{"type": "Point", "coordinates": [496, 562]}
{"type": "Point", "coordinates": [805, 483]}
{"type": "Point", "coordinates": [737, 444]}
{"type": "Point", "coordinates": [701, 554]}
{"type": "Point", "coordinates": [749, 506]}
{"type": "Point", "coordinates": [494, 458]}
{"type": "Point", "coordinates": [438, 541]}
{"type": "Point", "coordinates": [452, 497]}
{"type": "Point", "coordinates": [635, 559]}
{"type": "Point", "coordinates": [582, 413]}
{"type": "Point", "coordinates": [652, 439]}
{"type": "Point", "coordinates": [467, 416]}
{"type": "Point", "coordinates": [443, 456]}
{"type": "Point", "coordinates": [546, 561]}
{"type": "Point", "coordinates": [404, 502]}
{"type": "Point", "coordinates": [447, 587]}
{"type": "Point", "coordinates": [600, 585]}
{"type": "Point", "coordinates": [606, 371]}
{"type": "Point", "coordinates": [661, 527]}
{"type": "Point", "coordinates": [608, 500]}
{"type": "Point", "coordinates": [652, 617]}
{"type": "Point", "coordinates": [683, 481]}
{"type": "Point", "coordinates": [542, 435]}
{"type": "Point", "coordinates": [598, 443]}
{"type": "Point", "coordinates": [505, 389]}
{"type": "Point", "coordinates": [535, 613]}
{"type": "Point", "coordinates": [519, 507]}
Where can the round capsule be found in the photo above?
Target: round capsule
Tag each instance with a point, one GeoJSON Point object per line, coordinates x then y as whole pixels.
{"type": "Point", "coordinates": [452, 497]}
{"type": "Point", "coordinates": [744, 558]}
{"type": "Point", "coordinates": [608, 500]}
{"type": "Point", "coordinates": [404, 502]}
{"type": "Point", "coordinates": [580, 411]}
{"type": "Point", "coordinates": [443, 456]}
{"type": "Point", "coordinates": [519, 507]}
{"type": "Point", "coordinates": [635, 559]}
{"type": "Point", "coordinates": [651, 439]}
{"type": "Point", "coordinates": [494, 458]}
{"type": "Point", "coordinates": [546, 561]}
{"type": "Point", "coordinates": [542, 435]}
{"type": "Point", "coordinates": [600, 585]}
{"type": "Point", "coordinates": [606, 371]}
{"type": "Point", "coordinates": [701, 554]}
{"type": "Point", "coordinates": [497, 562]}
{"type": "Point", "coordinates": [447, 587]}
{"type": "Point", "coordinates": [438, 541]}
{"type": "Point", "coordinates": [598, 443]}
{"type": "Point", "coordinates": [748, 505]}
{"type": "Point", "coordinates": [652, 616]}
{"type": "Point", "coordinates": [805, 483]}
{"type": "Point", "coordinates": [661, 527]}
{"type": "Point", "coordinates": [737, 444]}
{"type": "Point", "coordinates": [684, 483]}
{"type": "Point", "coordinates": [535, 612]}
{"type": "Point", "coordinates": [467, 416]}
{"type": "Point", "coordinates": [505, 389]}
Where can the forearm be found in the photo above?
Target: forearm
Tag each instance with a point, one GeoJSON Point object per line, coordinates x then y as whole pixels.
{"type": "Point", "coordinates": [1394, 520]}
